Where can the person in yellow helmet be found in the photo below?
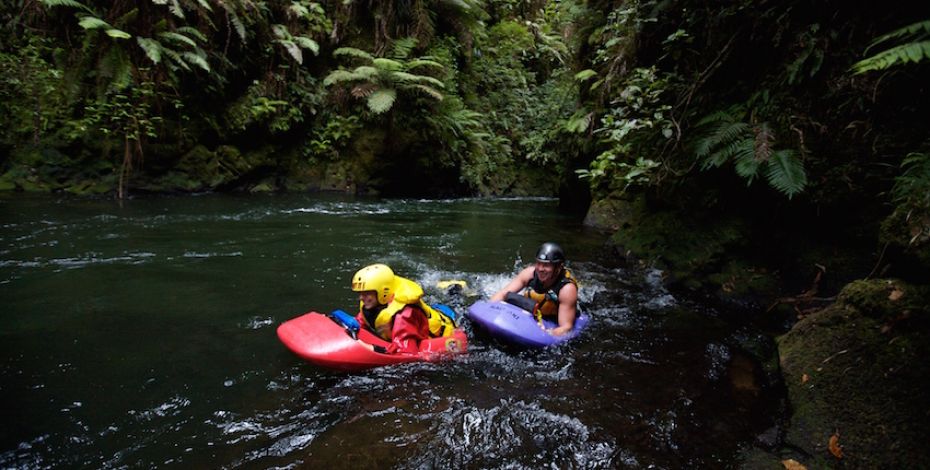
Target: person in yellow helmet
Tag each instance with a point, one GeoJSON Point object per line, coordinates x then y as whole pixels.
{"type": "Point", "coordinates": [552, 288]}
{"type": "Point", "coordinates": [392, 307]}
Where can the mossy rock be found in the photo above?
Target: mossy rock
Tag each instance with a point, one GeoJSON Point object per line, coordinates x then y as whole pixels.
{"type": "Point", "coordinates": [201, 169]}
{"type": "Point", "coordinates": [89, 187]}
{"type": "Point", "coordinates": [7, 183]}
{"type": "Point", "coordinates": [265, 186]}
{"type": "Point", "coordinates": [857, 370]}
{"type": "Point", "coordinates": [687, 248]}
{"type": "Point", "coordinates": [611, 213]}
{"type": "Point", "coordinates": [907, 232]}
{"type": "Point", "coordinates": [303, 176]}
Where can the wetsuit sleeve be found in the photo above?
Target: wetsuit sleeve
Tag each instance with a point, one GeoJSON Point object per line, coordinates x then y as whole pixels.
{"type": "Point", "coordinates": [410, 327]}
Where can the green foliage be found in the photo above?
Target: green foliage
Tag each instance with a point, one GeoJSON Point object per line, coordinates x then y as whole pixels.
{"type": "Point", "coordinates": [328, 139]}
{"type": "Point", "coordinates": [912, 187]}
{"type": "Point", "coordinates": [916, 50]}
{"type": "Point", "coordinates": [294, 44]}
{"type": "Point", "coordinates": [380, 79]}
{"type": "Point", "coordinates": [638, 115]}
{"type": "Point", "coordinates": [725, 137]}
{"type": "Point", "coordinates": [810, 59]}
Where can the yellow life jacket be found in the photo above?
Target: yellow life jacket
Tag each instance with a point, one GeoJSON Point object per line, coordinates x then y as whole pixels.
{"type": "Point", "coordinates": [547, 301]}
{"type": "Point", "coordinates": [407, 292]}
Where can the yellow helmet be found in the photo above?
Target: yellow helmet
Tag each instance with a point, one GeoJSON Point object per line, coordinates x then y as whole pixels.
{"type": "Point", "coordinates": [377, 277]}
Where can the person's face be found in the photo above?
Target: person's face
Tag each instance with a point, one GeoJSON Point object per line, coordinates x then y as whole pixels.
{"type": "Point", "coordinates": [546, 271]}
{"type": "Point", "coordinates": [369, 299]}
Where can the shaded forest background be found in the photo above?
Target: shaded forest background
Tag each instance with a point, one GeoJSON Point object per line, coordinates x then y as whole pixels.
{"type": "Point", "coordinates": [702, 126]}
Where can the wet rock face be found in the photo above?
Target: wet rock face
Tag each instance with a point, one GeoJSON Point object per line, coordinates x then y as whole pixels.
{"type": "Point", "coordinates": [854, 373]}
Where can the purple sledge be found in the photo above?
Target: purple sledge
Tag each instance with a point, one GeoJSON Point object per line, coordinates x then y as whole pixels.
{"type": "Point", "coordinates": [515, 325]}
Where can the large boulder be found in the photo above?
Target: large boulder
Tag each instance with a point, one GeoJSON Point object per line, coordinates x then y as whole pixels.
{"type": "Point", "coordinates": [855, 374]}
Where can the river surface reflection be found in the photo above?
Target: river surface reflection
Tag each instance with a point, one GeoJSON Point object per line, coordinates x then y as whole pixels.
{"type": "Point", "coordinates": [143, 335]}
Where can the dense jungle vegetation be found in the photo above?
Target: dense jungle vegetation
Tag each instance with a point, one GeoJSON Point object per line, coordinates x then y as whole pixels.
{"type": "Point", "coordinates": [756, 150]}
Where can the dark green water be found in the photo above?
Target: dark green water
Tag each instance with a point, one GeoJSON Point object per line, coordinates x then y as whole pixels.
{"type": "Point", "coordinates": [143, 335]}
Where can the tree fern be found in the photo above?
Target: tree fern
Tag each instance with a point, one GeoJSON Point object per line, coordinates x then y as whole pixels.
{"type": "Point", "coordinates": [340, 76]}
{"type": "Point", "coordinates": [417, 63]}
{"type": "Point", "coordinates": [751, 149]}
{"type": "Point", "coordinates": [382, 78]}
{"type": "Point", "coordinates": [381, 100]}
{"type": "Point", "coordinates": [391, 65]}
{"type": "Point", "coordinates": [352, 52]}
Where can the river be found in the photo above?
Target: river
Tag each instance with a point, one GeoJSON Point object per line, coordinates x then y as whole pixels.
{"type": "Point", "coordinates": [142, 334]}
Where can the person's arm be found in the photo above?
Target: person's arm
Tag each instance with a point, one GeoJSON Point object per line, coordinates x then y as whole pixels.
{"type": "Point", "coordinates": [568, 301]}
{"type": "Point", "coordinates": [518, 282]}
{"type": "Point", "coordinates": [410, 327]}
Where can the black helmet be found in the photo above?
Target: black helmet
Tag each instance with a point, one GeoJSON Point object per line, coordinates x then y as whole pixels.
{"type": "Point", "coordinates": [550, 253]}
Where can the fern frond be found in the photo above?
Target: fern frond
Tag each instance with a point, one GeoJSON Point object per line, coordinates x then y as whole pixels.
{"type": "Point", "coordinates": [366, 72]}
{"type": "Point", "coordinates": [585, 75]}
{"type": "Point", "coordinates": [457, 4]}
{"type": "Point", "coordinates": [192, 32]}
{"type": "Point", "coordinates": [280, 31]}
{"type": "Point", "coordinates": [432, 92]}
{"type": "Point", "coordinates": [911, 30]}
{"type": "Point", "coordinates": [417, 63]}
{"type": "Point", "coordinates": [340, 76]}
{"type": "Point", "coordinates": [403, 47]}
{"type": "Point", "coordinates": [405, 77]}
{"type": "Point", "coordinates": [151, 47]}
{"type": "Point", "coordinates": [579, 122]}
{"type": "Point", "coordinates": [177, 38]}
{"type": "Point", "coordinates": [236, 22]}
{"type": "Point", "coordinates": [390, 65]}
{"type": "Point", "coordinates": [92, 22]}
{"type": "Point", "coordinates": [902, 54]}
{"type": "Point", "coordinates": [785, 172]}
{"type": "Point", "coordinates": [176, 9]}
{"type": "Point", "coordinates": [292, 49]}
{"type": "Point", "coordinates": [176, 59]}
{"type": "Point", "coordinates": [118, 34]}
{"type": "Point", "coordinates": [352, 52]}
{"type": "Point", "coordinates": [196, 59]}
{"type": "Point", "coordinates": [732, 114]}
{"type": "Point", "coordinates": [914, 182]}
{"type": "Point", "coordinates": [115, 66]}
{"type": "Point", "coordinates": [382, 100]}
{"type": "Point", "coordinates": [296, 10]}
{"type": "Point", "coordinates": [307, 43]}
{"type": "Point", "coordinates": [725, 132]}
{"type": "Point", "coordinates": [67, 3]}
{"type": "Point", "coordinates": [747, 165]}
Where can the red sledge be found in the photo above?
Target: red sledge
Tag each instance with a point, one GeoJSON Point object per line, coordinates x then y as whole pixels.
{"type": "Point", "coordinates": [322, 341]}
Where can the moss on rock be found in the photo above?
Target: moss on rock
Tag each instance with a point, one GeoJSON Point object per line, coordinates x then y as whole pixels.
{"type": "Point", "coordinates": [855, 370]}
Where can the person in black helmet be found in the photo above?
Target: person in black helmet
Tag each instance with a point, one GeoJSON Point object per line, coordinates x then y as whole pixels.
{"type": "Point", "coordinates": [551, 287]}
